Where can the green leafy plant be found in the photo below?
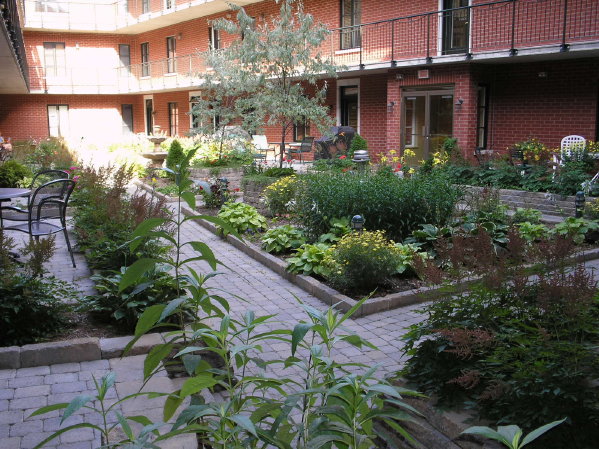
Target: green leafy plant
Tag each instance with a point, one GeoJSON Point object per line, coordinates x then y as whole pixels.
{"type": "Point", "coordinates": [571, 177]}
{"type": "Point", "coordinates": [309, 259]}
{"type": "Point", "coordinates": [242, 217]}
{"type": "Point", "coordinates": [283, 239]}
{"type": "Point", "coordinates": [123, 308]}
{"type": "Point", "coordinates": [358, 143]}
{"type": "Point", "coordinates": [511, 436]}
{"type": "Point", "coordinates": [532, 232]}
{"type": "Point", "coordinates": [278, 172]}
{"type": "Point", "coordinates": [13, 174]}
{"type": "Point", "coordinates": [339, 227]}
{"type": "Point", "coordinates": [397, 206]}
{"type": "Point", "coordinates": [526, 214]}
{"type": "Point", "coordinates": [575, 228]}
{"type": "Point", "coordinates": [362, 261]}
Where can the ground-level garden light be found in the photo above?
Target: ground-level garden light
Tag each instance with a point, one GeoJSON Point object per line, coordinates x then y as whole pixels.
{"type": "Point", "coordinates": [361, 158]}
{"type": "Point", "coordinates": [579, 203]}
{"type": "Point", "coordinates": [357, 223]}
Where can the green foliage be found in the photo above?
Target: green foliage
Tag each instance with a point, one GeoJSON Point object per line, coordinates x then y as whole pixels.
{"type": "Point", "coordinates": [532, 232]}
{"type": "Point", "coordinates": [397, 206]}
{"type": "Point", "coordinates": [280, 194]}
{"type": "Point", "coordinates": [309, 259]}
{"type": "Point", "coordinates": [279, 172]}
{"type": "Point", "coordinates": [511, 436]}
{"type": "Point", "coordinates": [242, 217]}
{"type": "Point", "coordinates": [339, 227]}
{"type": "Point", "coordinates": [575, 228]}
{"type": "Point", "coordinates": [340, 164]}
{"type": "Point", "coordinates": [105, 216]}
{"type": "Point", "coordinates": [523, 214]}
{"type": "Point", "coordinates": [517, 348]}
{"type": "Point", "coordinates": [175, 155]}
{"type": "Point", "coordinates": [123, 308]}
{"type": "Point", "coordinates": [362, 261]}
{"type": "Point", "coordinates": [52, 152]}
{"type": "Point", "coordinates": [358, 143]}
{"type": "Point", "coordinates": [571, 177]}
{"type": "Point", "coordinates": [13, 174]}
{"type": "Point", "coordinates": [32, 307]}
{"type": "Point", "coordinates": [283, 239]}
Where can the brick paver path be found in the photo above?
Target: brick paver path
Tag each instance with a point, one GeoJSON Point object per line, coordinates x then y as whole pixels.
{"type": "Point", "coordinates": [23, 390]}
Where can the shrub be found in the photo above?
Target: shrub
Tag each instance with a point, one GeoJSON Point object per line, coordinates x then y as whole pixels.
{"type": "Point", "coordinates": [397, 206]}
{"type": "Point", "coordinates": [283, 239]}
{"type": "Point", "coordinates": [362, 260]}
{"type": "Point", "coordinates": [518, 348]}
{"type": "Point", "coordinates": [571, 177]}
{"type": "Point", "coordinates": [12, 174]}
{"type": "Point", "coordinates": [123, 308]}
{"type": "Point", "coordinates": [52, 152]}
{"type": "Point", "coordinates": [175, 156]}
{"type": "Point", "coordinates": [358, 143]}
{"type": "Point", "coordinates": [105, 216]}
{"type": "Point", "coordinates": [591, 209]}
{"type": "Point", "coordinates": [279, 172]}
{"type": "Point", "coordinates": [279, 195]}
{"type": "Point", "coordinates": [309, 259]}
{"type": "Point", "coordinates": [575, 228]}
{"type": "Point", "coordinates": [532, 231]}
{"type": "Point", "coordinates": [242, 217]}
{"type": "Point", "coordinates": [32, 307]}
{"type": "Point", "coordinates": [341, 164]}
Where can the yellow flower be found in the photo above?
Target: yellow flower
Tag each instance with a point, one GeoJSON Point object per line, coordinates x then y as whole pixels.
{"type": "Point", "coordinates": [392, 152]}
{"type": "Point", "coordinates": [395, 159]}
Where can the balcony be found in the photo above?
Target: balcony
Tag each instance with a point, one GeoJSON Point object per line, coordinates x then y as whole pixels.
{"type": "Point", "coordinates": [117, 16]}
{"type": "Point", "coordinates": [496, 30]}
{"type": "Point", "coordinates": [13, 61]}
{"type": "Point", "coordinates": [491, 30]}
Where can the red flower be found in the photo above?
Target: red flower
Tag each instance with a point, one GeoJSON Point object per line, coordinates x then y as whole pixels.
{"type": "Point", "coordinates": [399, 166]}
{"type": "Point", "coordinates": [237, 189]}
{"type": "Point", "coordinates": [344, 170]}
{"type": "Point", "coordinates": [342, 157]}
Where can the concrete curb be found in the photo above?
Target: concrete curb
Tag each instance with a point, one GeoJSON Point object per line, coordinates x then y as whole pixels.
{"type": "Point", "coordinates": [78, 350]}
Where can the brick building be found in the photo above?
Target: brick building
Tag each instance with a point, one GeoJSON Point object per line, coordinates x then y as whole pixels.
{"type": "Point", "coordinates": [487, 72]}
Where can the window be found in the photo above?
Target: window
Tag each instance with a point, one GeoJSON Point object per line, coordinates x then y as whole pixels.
{"type": "Point", "coordinates": [482, 117]}
{"type": "Point", "coordinates": [301, 130]}
{"type": "Point", "coordinates": [145, 6]}
{"type": "Point", "coordinates": [127, 115]}
{"type": "Point", "coordinates": [351, 16]}
{"type": "Point", "coordinates": [145, 59]}
{"type": "Point", "coordinates": [168, 4]}
{"type": "Point", "coordinates": [173, 119]}
{"type": "Point", "coordinates": [194, 119]}
{"type": "Point", "coordinates": [58, 120]}
{"type": "Point", "coordinates": [124, 59]}
{"type": "Point", "coordinates": [51, 6]}
{"type": "Point", "coordinates": [214, 38]}
{"type": "Point", "coordinates": [54, 59]}
{"type": "Point", "coordinates": [171, 54]}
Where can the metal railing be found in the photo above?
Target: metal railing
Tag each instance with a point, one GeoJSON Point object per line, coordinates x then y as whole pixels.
{"type": "Point", "coordinates": [9, 14]}
{"type": "Point", "coordinates": [503, 27]}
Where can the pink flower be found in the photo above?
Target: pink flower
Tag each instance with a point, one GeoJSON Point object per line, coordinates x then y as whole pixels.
{"type": "Point", "coordinates": [343, 157]}
{"type": "Point", "coordinates": [75, 178]}
{"type": "Point", "coordinates": [74, 168]}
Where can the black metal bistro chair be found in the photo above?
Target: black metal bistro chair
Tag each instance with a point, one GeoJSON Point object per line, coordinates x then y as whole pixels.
{"type": "Point", "coordinates": [48, 202]}
{"type": "Point", "coordinates": [305, 147]}
{"type": "Point", "coordinates": [14, 213]}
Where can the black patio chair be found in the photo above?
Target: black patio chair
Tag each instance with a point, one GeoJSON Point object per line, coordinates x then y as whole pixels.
{"type": "Point", "coordinates": [14, 213]}
{"type": "Point", "coordinates": [305, 147]}
{"type": "Point", "coordinates": [48, 202]}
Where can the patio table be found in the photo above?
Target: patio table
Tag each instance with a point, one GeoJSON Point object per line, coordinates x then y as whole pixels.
{"type": "Point", "coordinates": [8, 193]}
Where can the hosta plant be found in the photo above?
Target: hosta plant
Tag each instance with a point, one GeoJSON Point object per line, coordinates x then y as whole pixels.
{"type": "Point", "coordinates": [308, 259]}
{"type": "Point", "coordinates": [530, 215]}
{"type": "Point", "coordinates": [531, 231]}
{"type": "Point", "coordinates": [283, 239]}
{"type": "Point", "coordinates": [339, 227]}
{"type": "Point", "coordinates": [575, 228]}
{"type": "Point", "coordinates": [242, 217]}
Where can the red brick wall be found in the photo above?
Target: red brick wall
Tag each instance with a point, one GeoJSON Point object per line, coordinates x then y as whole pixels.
{"type": "Point", "coordinates": [522, 105]}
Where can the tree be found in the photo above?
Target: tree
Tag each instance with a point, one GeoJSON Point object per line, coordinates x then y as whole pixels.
{"type": "Point", "coordinates": [277, 61]}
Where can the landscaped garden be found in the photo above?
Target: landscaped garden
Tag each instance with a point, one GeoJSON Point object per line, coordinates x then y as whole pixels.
{"type": "Point", "coordinates": [508, 331]}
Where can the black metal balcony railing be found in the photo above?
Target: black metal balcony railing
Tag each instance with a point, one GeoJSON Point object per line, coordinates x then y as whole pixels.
{"type": "Point", "coordinates": [9, 14]}
{"type": "Point", "coordinates": [503, 25]}
{"type": "Point", "coordinates": [499, 28]}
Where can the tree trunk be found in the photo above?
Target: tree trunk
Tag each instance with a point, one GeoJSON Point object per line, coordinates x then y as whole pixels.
{"type": "Point", "coordinates": [282, 149]}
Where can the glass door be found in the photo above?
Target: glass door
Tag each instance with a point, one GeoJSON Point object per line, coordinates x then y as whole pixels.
{"type": "Point", "coordinates": [427, 120]}
{"type": "Point", "coordinates": [456, 27]}
{"type": "Point", "coordinates": [149, 117]}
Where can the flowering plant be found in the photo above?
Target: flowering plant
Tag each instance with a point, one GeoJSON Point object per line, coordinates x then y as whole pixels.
{"type": "Point", "coordinates": [397, 162]}
{"type": "Point", "coordinates": [533, 150]}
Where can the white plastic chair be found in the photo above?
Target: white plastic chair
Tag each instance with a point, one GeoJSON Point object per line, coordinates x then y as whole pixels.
{"type": "Point", "coordinates": [261, 144]}
{"type": "Point", "coordinates": [571, 145]}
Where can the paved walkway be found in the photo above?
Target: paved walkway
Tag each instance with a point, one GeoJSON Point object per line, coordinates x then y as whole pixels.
{"type": "Point", "coordinates": [23, 390]}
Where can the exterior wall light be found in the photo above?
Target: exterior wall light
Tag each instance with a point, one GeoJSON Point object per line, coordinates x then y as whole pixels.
{"type": "Point", "coordinates": [357, 223]}
{"type": "Point", "coordinates": [579, 203]}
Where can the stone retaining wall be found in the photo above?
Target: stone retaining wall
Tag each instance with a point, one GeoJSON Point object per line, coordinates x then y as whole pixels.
{"type": "Point", "coordinates": [234, 175]}
{"type": "Point", "coordinates": [548, 203]}
{"type": "Point", "coordinates": [252, 195]}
